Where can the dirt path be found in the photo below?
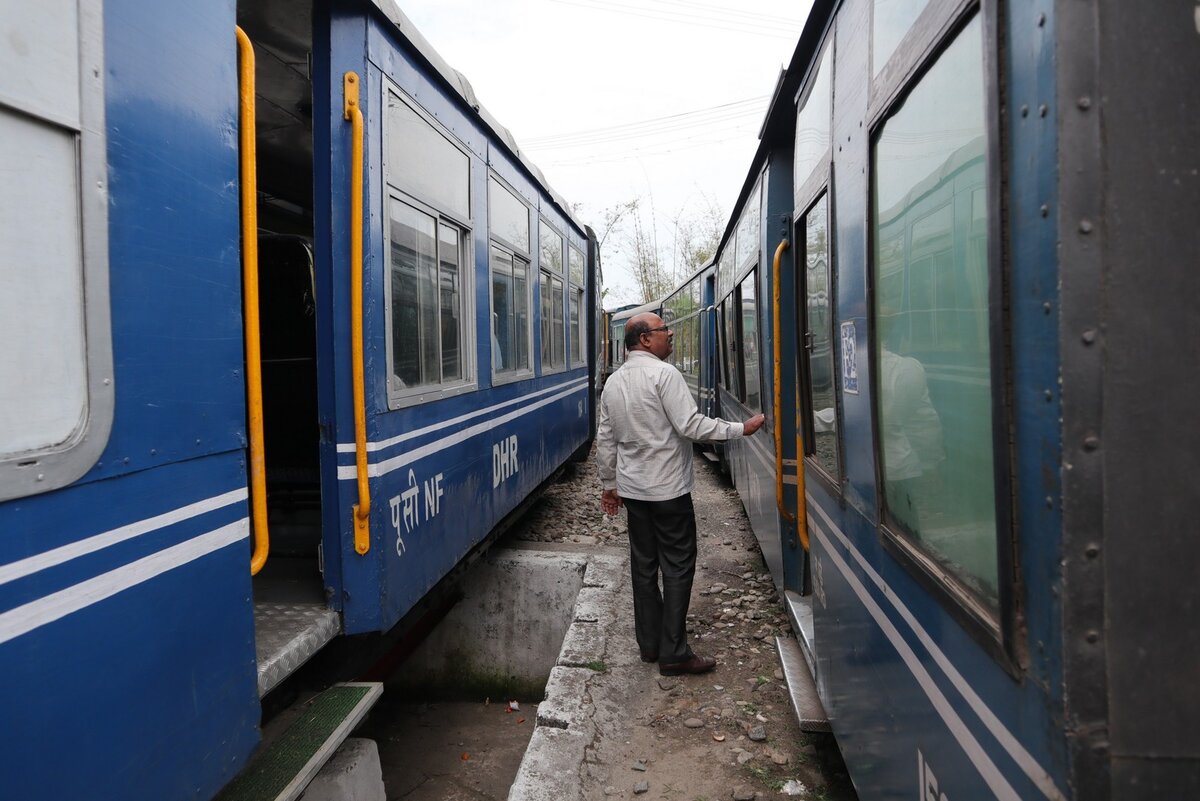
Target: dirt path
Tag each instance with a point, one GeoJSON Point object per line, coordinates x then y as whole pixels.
{"type": "Point", "coordinates": [727, 734]}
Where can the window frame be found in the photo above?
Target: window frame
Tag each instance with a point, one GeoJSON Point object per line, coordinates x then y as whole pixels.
{"type": "Point", "coordinates": [575, 291]}
{"type": "Point", "coordinates": [510, 375]}
{"type": "Point", "coordinates": [39, 470]}
{"type": "Point", "coordinates": [545, 225]}
{"type": "Point", "coordinates": [999, 631]}
{"type": "Point", "coordinates": [401, 398]}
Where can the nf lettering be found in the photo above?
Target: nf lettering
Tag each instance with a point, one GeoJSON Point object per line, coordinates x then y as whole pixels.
{"type": "Point", "coordinates": [504, 460]}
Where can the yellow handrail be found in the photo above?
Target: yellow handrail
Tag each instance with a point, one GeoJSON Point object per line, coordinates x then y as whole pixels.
{"type": "Point", "coordinates": [362, 510]}
{"type": "Point", "coordinates": [801, 517]}
{"type": "Point", "coordinates": [254, 402]}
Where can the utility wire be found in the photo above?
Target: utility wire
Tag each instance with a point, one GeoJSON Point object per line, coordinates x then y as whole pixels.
{"type": "Point", "coordinates": [649, 127]}
{"type": "Point", "coordinates": [737, 26]}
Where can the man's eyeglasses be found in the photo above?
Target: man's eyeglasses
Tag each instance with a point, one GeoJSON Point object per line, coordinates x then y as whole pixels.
{"type": "Point", "coordinates": [661, 328]}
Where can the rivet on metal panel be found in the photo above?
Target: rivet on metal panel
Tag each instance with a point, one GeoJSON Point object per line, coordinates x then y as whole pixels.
{"type": "Point", "coordinates": [1042, 110]}
{"type": "Point", "coordinates": [154, 451]}
{"type": "Point", "coordinates": [1085, 226]}
{"type": "Point", "coordinates": [1049, 502]}
{"type": "Point", "coordinates": [1041, 19]}
{"type": "Point", "coordinates": [41, 476]}
{"type": "Point", "coordinates": [1092, 551]}
{"type": "Point", "coordinates": [1025, 110]}
{"type": "Point", "coordinates": [1048, 395]}
{"type": "Point", "coordinates": [1046, 307]}
{"type": "Point", "coordinates": [1091, 442]}
{"type": "Point", "coordinates": [1045, 210]}
{"type": "Point", "coordinates": [1084, 102]}
{"type": "Point", "coordinates": [1093, 636]}
{"type": "Point", "coordinates": [1089, 336]}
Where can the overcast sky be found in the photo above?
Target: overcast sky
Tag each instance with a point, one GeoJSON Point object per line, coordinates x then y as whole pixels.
{"type": "Point", "coordinates": [622, 99]}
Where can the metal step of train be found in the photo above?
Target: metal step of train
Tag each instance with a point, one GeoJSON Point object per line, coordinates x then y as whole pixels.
{"type": "Point", "coordinates": [801, 689]}
{"type": "Point", "coordinates": [283, 768]}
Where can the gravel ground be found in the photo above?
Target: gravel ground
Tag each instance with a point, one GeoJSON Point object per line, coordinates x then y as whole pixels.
{"type": "Point", "coordinates": [730, 734]}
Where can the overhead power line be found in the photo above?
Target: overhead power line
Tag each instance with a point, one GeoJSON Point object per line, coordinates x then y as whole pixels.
{"type": "Point", "coordinates": [779, 30]}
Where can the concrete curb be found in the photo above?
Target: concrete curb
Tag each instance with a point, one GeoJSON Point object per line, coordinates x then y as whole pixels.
{"type": "Point", "coordinates": [553, 765]}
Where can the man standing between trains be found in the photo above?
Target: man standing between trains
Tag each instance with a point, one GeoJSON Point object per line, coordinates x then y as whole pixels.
{"type": "Point", "coordinates": [648, 420]}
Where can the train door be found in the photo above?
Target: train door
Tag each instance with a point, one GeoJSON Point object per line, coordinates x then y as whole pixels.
{"type": "Point", "coordinates": [295, 604]}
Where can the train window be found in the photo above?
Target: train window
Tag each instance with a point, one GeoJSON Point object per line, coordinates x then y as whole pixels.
{"type": "Point", "coordinates": [813, 126]}
{"type": "Point", "coordinates": [553, 333]}
{"type": "Point", "coordinates": [890, 21]}
{"type": "Point", "coordinates": [508, 216]}
{"type": "Point", "coordinates": [750, 361]}
{"type": "Point", "coordinates": [578, 275]}
{"type": "Point", "coordinates": [425, 162]}
{"type": "Point", "coordinates": [748, 229]}
{"type": "Point", "coordinates": [932, 354]}
{"type": "Point", "coordinates": [818, 337]}
{"type": "Point", "coordinates": [510, 312]}
{"type": "Point", "coordinates": [551, 243]}
{"type": "Point", "coordinates": [726, 268]}
{"type": "Point", "coordinates": [56, 380]}
{"type": "Point", "coordinates": [617, 343]}
{"type": "Point", "coordinates": [427, 300]}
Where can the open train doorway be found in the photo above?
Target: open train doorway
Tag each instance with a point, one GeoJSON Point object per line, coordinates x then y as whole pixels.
{"type": "Point", "coordinates": [293, 619]}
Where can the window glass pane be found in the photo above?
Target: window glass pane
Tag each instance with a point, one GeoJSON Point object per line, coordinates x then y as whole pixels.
{"type": "Point", "coordinates": [503, 336]}
{"type": "Point", "coordinates": [41, 285]}
{"type": "Point", "coordinates": [750, 342]}
{"type": "Point", "coordinates": [732, 322]}
{"type": "Point", "coordinates": [552, 249]}
{"type": "Point", "coordinates": [889, 24]}
{"type": "Point", "coordinates": [557, 331]}
{"type": "Point", "coordinates": [726, 267]}
{"type": "Point", "coordinates": [508, 215]}
{"type": "Point", "coordinates": [576, 328]}
{"type": "Point", "coordinates": [415, 359]}
{"type": "Point", "coordinates": [812, 123]}
{"type": "Point", "coordinates": [521, 313]}
{"type": "Point", "coordinates": [451, 295]}
{"type": "Point", "coordinates": [931, 310]}
{"type": "Point", "coordinates": [544, 327]}
{"type": "Point", "coordinates": [617, 344]}
{"type": "Point", "coordinates": [819, 326]}
{"type": "Point", "coordinates": [423, 162]}
{"type": "Point", "coordinates": [578, 277]}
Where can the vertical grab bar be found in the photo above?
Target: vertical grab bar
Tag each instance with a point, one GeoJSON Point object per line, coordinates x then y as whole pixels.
{"type": "Point", "coordinates": [800, 519]}
{"type": "Point", "coordinates": [248, 168]}
{"type": "Point", "coordinates": [362, 510]}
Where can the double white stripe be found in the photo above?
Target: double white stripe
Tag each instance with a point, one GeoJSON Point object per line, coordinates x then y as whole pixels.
{"type": "Point", "coordinates": [995, 780]}
{"type": "Point", "coordinates": [27, 617]}
{"type": "Point", "coordinates": [56, 556]}
{"type": "Point", "coordinates": [348, 472]}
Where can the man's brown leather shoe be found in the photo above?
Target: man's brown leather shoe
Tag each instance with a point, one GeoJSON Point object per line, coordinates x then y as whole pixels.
{"type": "Point", "coordinates": [697, 664]}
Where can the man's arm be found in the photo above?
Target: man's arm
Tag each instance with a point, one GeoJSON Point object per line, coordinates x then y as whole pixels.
{"type": "Point", "coordinates": [606, 461]}
{"type": "Point", "coordinates": [686, 419]}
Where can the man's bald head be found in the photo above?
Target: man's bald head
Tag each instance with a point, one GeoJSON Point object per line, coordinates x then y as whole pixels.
{"type": "Point", "coordinates": [646, 331]}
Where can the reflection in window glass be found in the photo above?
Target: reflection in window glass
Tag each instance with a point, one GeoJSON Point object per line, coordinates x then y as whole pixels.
{"type": "Point", "coordinates": [617, 344]}
{"type": "Point", "coordinates": [510, 312]}
{"type": "Point", "coordinates": [931, 309]}
{"type": "Point", "coordinates": [426, 299]}
{"type": "Point", "coordinates": [578, 278]}
{"type": "Point", "coordinates": [552, 249]}
{"type": "Point", "coordinates": [509, 217]}
{"type": "Point", "coordinates": [424, 162]}
{"type": "Point", "coordinates": [890, 22]}
{"type": "Point", "coordinates": [753, 397]}
{"type": "Point", "coordinates": [819, 329]}
{"type": "Point", "coordinates": [551, 292]}
{"type": "Point", "coordinates": [726, 268]}
{"type": "Point", "coordinates": [577, 330]}
{"type": "Point", "coordinates": [812, 123]}
{"type": "Point", "coordinates": [748, 230]}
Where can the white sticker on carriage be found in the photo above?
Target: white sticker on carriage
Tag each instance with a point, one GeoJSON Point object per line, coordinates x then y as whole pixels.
{"type": "Point", "coordinates": [406, 507]}
{"type": "Point", "coordinates": [849, 358]}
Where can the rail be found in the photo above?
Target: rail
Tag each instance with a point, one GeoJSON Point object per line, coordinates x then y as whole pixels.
{"type": "Point", "coordinates": [248, 168]}
{"type": "Point", "coordinates": [362, 510]}
{"type": "Point", "coordinates": [800, 518]}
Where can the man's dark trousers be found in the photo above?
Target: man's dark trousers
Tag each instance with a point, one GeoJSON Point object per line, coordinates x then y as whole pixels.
{"type": "Point", "coordinates": [662, 537]}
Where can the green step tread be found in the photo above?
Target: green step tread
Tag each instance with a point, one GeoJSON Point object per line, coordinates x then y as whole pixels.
{"type": "Point", "coordinates": [274, 768]}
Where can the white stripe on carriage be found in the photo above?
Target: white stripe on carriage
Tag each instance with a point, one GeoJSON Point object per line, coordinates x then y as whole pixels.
{"type": "Point", "coordinates": [974, 751]}
{"type": "Point", "coordinates": [349, 472]}
{"type": "Point", "coordinates": [35, 614]}
{"type": "Point", "coordinates": [33, 564]}
{"type": "Point", "coordinates": [348, 447]}
{"type": "Point", "coordinates": [1029, 766]}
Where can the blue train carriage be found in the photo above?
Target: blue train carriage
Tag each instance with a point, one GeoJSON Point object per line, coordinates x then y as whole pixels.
{"type": "Point", "coordinates": [439, 380]}
{"type": "Point", "coordinates": [983, 302]}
